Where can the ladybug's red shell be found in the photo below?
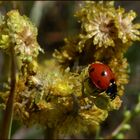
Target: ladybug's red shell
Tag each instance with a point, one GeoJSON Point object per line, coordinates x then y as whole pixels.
{"type": "Point", "coordinates": [101, 75]}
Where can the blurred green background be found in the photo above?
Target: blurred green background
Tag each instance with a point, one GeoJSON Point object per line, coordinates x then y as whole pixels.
{"type": "Point", "coordinates": [55, 21]}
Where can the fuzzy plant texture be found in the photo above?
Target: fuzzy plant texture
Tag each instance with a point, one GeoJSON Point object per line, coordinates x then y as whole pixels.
{"type": "Point", "coordinates": [58, 94]}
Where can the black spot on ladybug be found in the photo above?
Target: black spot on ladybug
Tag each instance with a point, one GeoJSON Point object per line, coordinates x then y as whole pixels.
{"type": "Point", "coordinates": [104, 73]}
{"type": "Point", "coordinates": [91, 70]}
{"type": "Point", "coordinates": [112, 81]}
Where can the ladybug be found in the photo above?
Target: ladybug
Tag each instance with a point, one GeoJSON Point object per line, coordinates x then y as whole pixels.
{"type": "Point", "coordinates": [103, 78]}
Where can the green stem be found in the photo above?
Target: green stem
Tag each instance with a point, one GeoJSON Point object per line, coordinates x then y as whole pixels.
{"type": "Point", "coordinates": [118, 129]}
{"type": "Point", "coordinates": [8, 116]}
{"type": "Point", "coordinates": [97, 136]}
{"type": "Point", "coordinates": [126, 119]}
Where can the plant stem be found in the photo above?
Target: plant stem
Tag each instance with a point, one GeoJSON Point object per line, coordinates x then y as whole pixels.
{"type": "Point", "coordinates": [97, 136]}
{"type": "Point", "coordinates": [50, 133]}
{"type": "Point", "coordinates": [8, 116]}
{"type": "Point", "coordinates": [117, 130]}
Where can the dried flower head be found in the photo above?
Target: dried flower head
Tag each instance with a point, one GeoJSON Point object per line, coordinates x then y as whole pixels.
{"type": "Point", "coordinates": [18, 30]}
{"type": "Point", "coordinates": [98, 23]}
{"type": "Point", "coordinates": [127, 31]}
{"type": "Point", "coordinates": [23, 33]}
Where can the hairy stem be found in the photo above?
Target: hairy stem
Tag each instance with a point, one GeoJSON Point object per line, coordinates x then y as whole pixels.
{"type": "Point", "coordinates": [8, 116]}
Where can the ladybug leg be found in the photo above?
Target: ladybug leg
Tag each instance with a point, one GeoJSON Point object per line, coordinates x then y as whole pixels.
{"type": "Point", "coordinates": [113, 96]}
{"type": "Point", "coordinates": [76, 106]}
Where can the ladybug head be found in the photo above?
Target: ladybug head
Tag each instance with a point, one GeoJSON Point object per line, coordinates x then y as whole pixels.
{"type": "Point", "coordinates": [112, 90]}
